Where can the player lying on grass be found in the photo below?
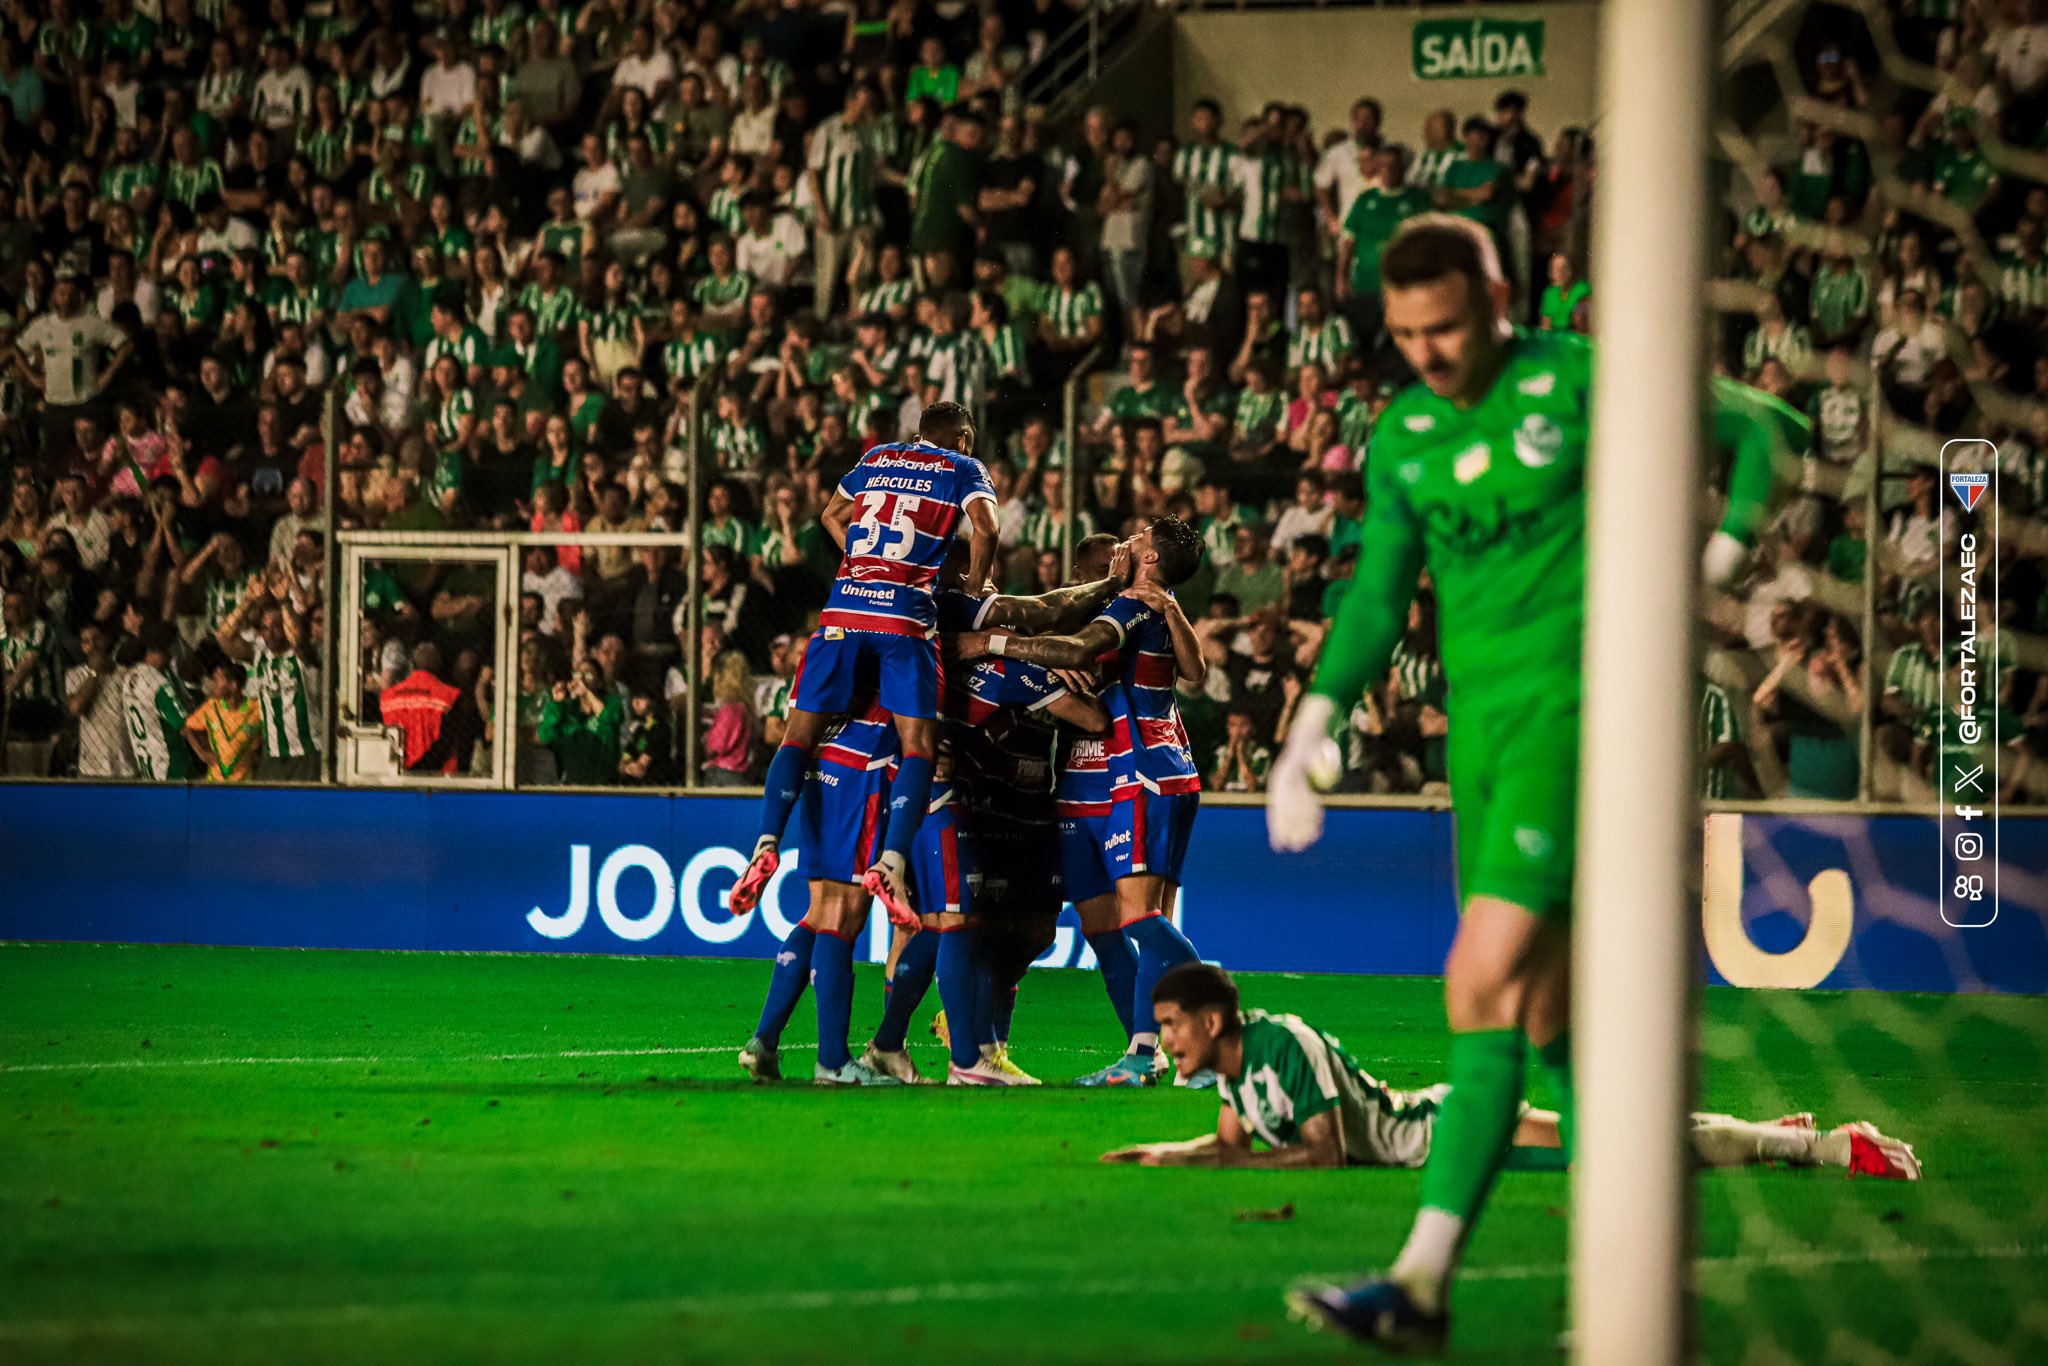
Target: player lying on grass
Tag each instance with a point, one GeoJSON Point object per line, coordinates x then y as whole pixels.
{"type": "Point", "coordinates": [1293, 1087]}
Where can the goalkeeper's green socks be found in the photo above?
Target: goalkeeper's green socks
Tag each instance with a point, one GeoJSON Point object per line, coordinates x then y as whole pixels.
{"type": "Point", "coordinates": [1556, 1057]}
{"type": "Point", "coordinates": [1466, 1149]}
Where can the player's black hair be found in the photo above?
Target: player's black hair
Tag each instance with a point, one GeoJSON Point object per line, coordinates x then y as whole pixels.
{"type": "Point", "coordinates": [946, 423]}
{"type": "Point", "coordinates": [1206, 103]}
{"type": "Point", "coordinates": [235, 673]}
{"type": "Point", "coordinates": [1511, 99]}
{"type": "Point", "coordinates": [1431, 246]}
{"type": "Point", "coordinates": [1179, 548]}
{"type": "Point", "coordinates": [1196, 987]}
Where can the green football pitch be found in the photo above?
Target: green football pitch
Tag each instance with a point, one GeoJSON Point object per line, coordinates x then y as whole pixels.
{"type": "Point", "coordinates": [229, 1155]}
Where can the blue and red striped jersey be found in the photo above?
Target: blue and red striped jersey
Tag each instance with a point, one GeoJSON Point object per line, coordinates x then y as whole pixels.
{"type": "Point", "coordinates": [908, 504]}
{"type": "Point", "coordinates": [1148, 745]}
{"type": "Point", "coordinates": [865, 738]}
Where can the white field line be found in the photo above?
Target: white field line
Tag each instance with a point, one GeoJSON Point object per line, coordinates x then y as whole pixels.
{"type": "Point", "coordinates": [938, 1292]}
{"type": "Point", "coordinates": [365, 1060]}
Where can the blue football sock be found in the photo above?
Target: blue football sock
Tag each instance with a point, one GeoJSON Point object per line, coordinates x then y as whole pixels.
{"type": "Point", "coordinates": [785, 782]}
{"type": "Point", "coordinates": [914, 969]}
{"type": "Point", "coordinates": [832, 977]}
{"type": "Point", "coordinates": [910, 792]}
{"type": "Point", "coordinates": [962, 990]}
{"type": "Point", "coordinates": [786, 984]}
{"type": "Point", "coordinates": [1161, 946]}
{"type": "Point", "coordinates": [1119, 972]}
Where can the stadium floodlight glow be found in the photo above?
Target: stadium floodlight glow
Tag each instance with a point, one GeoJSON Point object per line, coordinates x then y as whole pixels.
{"type": "Point", "coordinates": [1634, 952]}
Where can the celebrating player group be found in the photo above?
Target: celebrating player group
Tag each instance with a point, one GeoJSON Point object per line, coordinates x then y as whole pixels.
{"type": "Point", "coordinates": [973, 761]}
{"type": "Point", "coordinates": [947, 741]}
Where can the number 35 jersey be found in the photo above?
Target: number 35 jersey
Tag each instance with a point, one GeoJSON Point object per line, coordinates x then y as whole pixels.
{"type": "Point", "coordinates": [908, 504]}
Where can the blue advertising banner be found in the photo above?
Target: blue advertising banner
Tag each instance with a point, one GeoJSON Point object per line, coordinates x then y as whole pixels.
{"type": "Point", "coordinates": [1809, 901]}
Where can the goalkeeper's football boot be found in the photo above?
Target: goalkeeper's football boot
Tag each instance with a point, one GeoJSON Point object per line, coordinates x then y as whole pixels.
{"type": "Point", "coordinates": [746, 893]}
{"type": "Point", "coordinates": [1873, 1154]}
{"type": "Point", "coordinates": [855, 1073]}
{"type": "Point", "coordinates": [899, 1065]}
{"type": "Point", "coordinates": [1204, 1080]}
{"type": "Point", "coordinates": [762, 1060]}
{"type": "Point", "coordinates": [999, 1056]}
{"type": "Point", "coordinates": [885, 882]}
{"type": "Point", "coordinates": [1379, 1312]}
{"type": "Point", "coordinates": [1128, 1071]}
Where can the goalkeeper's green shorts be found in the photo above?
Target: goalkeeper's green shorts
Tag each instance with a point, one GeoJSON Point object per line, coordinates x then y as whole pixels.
{"type": "Point", "coordinates": [1515, 793]}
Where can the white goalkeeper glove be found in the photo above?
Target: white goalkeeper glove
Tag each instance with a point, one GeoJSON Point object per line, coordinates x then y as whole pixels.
{"type": "Point", "coordinates": [1723, 560]}
{"type": "Point", "coordinates": [1309, 764]}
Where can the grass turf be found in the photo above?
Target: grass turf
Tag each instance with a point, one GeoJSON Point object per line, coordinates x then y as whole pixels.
{"type": "Point", "coordinates": [554, 1158]}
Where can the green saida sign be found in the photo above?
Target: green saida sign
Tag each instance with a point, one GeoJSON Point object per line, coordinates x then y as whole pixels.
{"type": "Point", "coordinates": [1455, 49]}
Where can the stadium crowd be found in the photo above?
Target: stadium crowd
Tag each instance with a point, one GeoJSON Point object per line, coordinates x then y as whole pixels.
{"type": "Point", "coordinates": [536, 256]}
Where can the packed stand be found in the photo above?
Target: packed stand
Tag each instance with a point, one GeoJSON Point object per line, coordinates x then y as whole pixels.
{"type": "Point", "coordinates": [1887, 279]}
{"type": "Point", "coordinates": [575, 269]}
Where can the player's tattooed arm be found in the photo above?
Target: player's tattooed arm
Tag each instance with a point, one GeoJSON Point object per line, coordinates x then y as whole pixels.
{"type": "Point", "coordinates": [1060, 610]}
{"type": "Point", "coordinates": [1077, 651]}
{"type": "Point", "coordinates": [836, 518]}
{"type": "Point", "coordinates": [1063, 609]}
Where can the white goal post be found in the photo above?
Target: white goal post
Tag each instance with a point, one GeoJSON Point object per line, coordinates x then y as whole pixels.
{"type": "Point", "coordinates": [1639, 824]}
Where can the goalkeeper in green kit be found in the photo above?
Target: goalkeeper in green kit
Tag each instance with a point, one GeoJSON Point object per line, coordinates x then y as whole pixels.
{"type": "Point", "coordinates": [1478, 474]}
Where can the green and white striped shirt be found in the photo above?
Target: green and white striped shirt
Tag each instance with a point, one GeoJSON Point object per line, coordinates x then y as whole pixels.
{"type": "Point", "coordinates": [843, 156]}
{"type": "Point", "coordinates": [155, 705]}
{"type": "Point", "coordinates": [1718, 726]}
{"type": "Point", "coordinates": [41, 684]}
{"type": "Point", "coordinates": [1196, 168]}
{"type": "Point", "coordinates": [724, 209]}
{"type": "Point", "coordinates": [221, 91]}
{"type": "Point", "coordinates": [714, 293]}
{"type": "Point", "coordinates": [470, 347]}
{"type": "Point", "coordinates": [1432, 167]}
{"type": "Point", "coordinates": [1326, 345]}
{"type": "Point", "coordinates": [1913, 676]}
{"type": "Point", "coordinates": [884, 296]}
{"type": "Point", "coordinates": [1791, 347]}
{"type": "Point", "coordinates": [554, 312]}
{"type": "Point", "coordinates": [1070, 310]}
{"type": "Point", "coordinates": [689, 358]}
{"type": "Point", "coordinates": [278, 682]}
{"type": "Point", "coordinates": [1257, 417]}
{"type": "Point", "coordinates": [448, 418]}
{"type": "Point", "coordinates": [326, 149]}
{"type": "Point", "coordinates": [1003, 355]}
{"type": "Point", "coordinates": [2022, 285]}
{"type": "Point", "coordinates": [187, 184]}
{"type": "Point", "coordinates": [123, 180]}
{"type": "Point", "coordinates": [1263, 181]}
{"type": "Point", "coordinates": [1043, 522]}
{"type": "Point", "coordinates": [740, 448]}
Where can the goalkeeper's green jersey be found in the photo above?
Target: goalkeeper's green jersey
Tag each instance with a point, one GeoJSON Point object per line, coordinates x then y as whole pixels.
{"type": "Point", "coordinates": [1492, 500]}
{"type": "Point", "coordinates": [1293, 1071]}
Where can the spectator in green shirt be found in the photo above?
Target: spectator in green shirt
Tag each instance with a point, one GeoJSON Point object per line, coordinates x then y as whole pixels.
{"type": "Point", "coordinates": [1567, 303]}
{"type": "Point", "coordinates": [944, 188]}
{"type": "Point", "coordinates": [581, 724]}
{"type": "Point", "coordinates": [1381, 207]}
{"type": "Point", "coordinates": [933, 75]}
{"type": "Point", "coordinates": [1475, 185]}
